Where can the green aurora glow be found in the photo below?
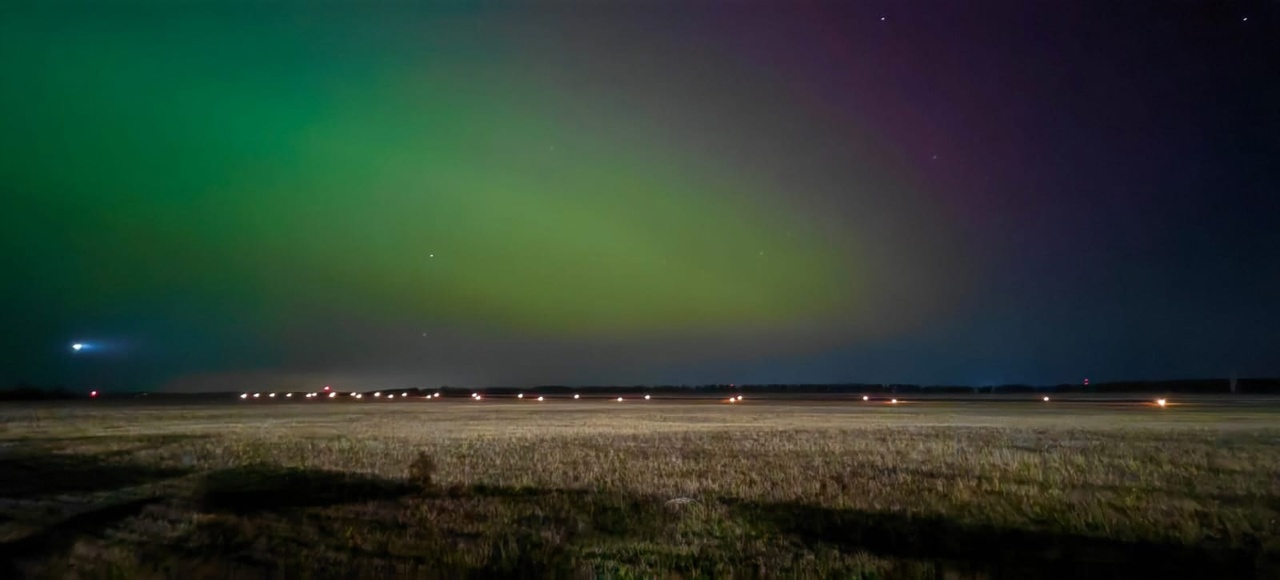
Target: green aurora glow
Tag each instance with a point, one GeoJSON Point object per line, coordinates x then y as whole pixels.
{"type": "Point", "coordinates": [330, 185]}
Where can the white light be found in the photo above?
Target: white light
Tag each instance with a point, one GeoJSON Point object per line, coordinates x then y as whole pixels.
{"type": "Point", "coordinates": [256, 395]}
{"type": "Point", "coordinates": [437, 395]}
{"type": "Point", "coordinates": [1046, 399]}
{"type": "Point", "coordinates": [520, 396]}
{"type": "Point", "coordinates": [1160, 402]}
{"type": "Point", "coordinates": [77, 346]}
{"type": "Point", "coordinates": [272, 395]}
{"type": "Point", "coordinates": [358, 396]}
{"type": "Point", "coordinates": [576, 396]}
{"type": "Point", "coordinates": [539, 398]}
{"type": "Point", "coordinates": [732, 400]}
{"type": "Point", "coordinates": [475, 395]}
{"type": "Point", "coordinates": [647, 397]}
{"type": "Point", "coordinates": [739, 397]}
{"type": "Point", "coordinates": [893, 401]}
{"type": "Point", "coordinates": [244, 395]}
{"type": "Point", "coordinates": [866, 398]}
{"type": "Point", "coordinates": [619, 399]}
{"type": "Point", "coordinates": [391, 396]}
{"type": "Point", "coordinates": [478, 398]}
{"type": "Point", "coordinates": [332, 395]}
{"type": "Point", "coordinates": [289, 395]}
{"type": "Point", "coordinates": [378, 394]}
{"type": "Point", "coordinates": [403, 395]}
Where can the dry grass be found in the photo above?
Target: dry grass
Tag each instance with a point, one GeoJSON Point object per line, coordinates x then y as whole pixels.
{"type": "Point", "coordinates": [570, 489]}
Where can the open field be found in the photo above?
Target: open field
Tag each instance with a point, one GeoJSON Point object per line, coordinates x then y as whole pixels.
{"type": "Point", "coordinates": [596, 488]}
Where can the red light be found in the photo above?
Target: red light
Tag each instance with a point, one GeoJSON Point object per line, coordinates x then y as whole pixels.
{"type": "Point", "coordinates": [93, 393]}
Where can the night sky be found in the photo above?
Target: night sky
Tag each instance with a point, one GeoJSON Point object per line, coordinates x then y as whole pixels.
{"type": "Point", "coordinates": [218, 195]}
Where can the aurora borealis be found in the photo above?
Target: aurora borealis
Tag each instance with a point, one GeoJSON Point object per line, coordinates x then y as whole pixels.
{"type": "Point", "coordinates": [520, 193]}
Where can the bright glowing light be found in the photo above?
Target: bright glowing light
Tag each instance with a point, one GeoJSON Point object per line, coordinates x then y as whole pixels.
{"type": "Point", "coordinates": [93, 393]}
{"type": "Point", "coordinates": [332, 395]}
{"type": "Point", "coordinates": [256, 395]}
{"type": "Point", "coordinates": [244, 395]}
{"type": "Point", "coordinates": [866, 398]}
{"type": "Point", "coordinates": [391, 396]}
{"type": "Point", "coordinates": [739, 397]}
{"type": "Point", "coordinates": [539, 398]}
{"type": "Point", "coordinates": [1160, 402]}
{"type": "Point", "coordinates": [478, 397]}
{"type": "Point", "coordinates": [474, 395]}
{"type": "Point", "coordinates": [326, 388]}
{"type": "Point", "coordinates": [733, 400]}
{"type": "Point", "coordinates": [437, 395]}
{"type": "Point", "coordinates": [647, 397]}
{"type": "Point", "coordinates": [619, 399]}
{"type": "Point", "coordinates": [359, 396]}
{"type": "Point", "coordinates": [576, 396]}
{"type": "Point", "coordinates": [893, 401]}
{"type": "Point", "coordinates": [272, 395]}
{"type": "Point", "coordinates": [289, 395]}
{"type": "Point", "coordinates": [1046, 399]}
{"type": "Point", "coordinates": [378, 394]}
{"type": "Point", "coordinates": [403, 395]}
{"type": "Point", "coordinates": [520, 396]}
{"type": "Point", "coordinates": [77, 346]}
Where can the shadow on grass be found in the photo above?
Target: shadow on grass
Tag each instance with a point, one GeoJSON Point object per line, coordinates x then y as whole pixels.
{"type": "Point", "coordinates": [60, 537]}
{"type": "Point", "coordinates": [998, 552]}
{"type": "Point", "coordinates": [263, 488]}
{"type": "Point", "coordinates": [32, 475]}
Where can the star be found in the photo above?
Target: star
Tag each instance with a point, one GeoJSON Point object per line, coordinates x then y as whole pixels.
{"type": "Point", "coordinates": [881, 19]}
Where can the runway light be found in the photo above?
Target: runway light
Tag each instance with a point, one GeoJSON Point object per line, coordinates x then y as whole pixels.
{"type": "Point", "coordinates": [289, 395]}
{"type": "Point", "coordinates": [272, 395]}
{"type": "Point", "coordinates": [1046, 399]}
{"type": "Point", "coordinates": [437, 395]}
{"type": "Point", "coordinates": [893, 401]}
{"type": "Point", "coordinates": [478, 398]}
{"type": "Point", "coordinates": [359, 396]}
{"type": "Point", "coordinates": [378, 394]}
{"type": "Point", "coordinates": [244, 395]}
{"type": "Point", "coordinates": [732, 400]}
{"type": "Point", "coordinates": [403, 395]}
{"type": "Point", "coordinates": [576, 396]}
{"type": "Point", "coordinates": [256, 395]}
{"type": "Point", "coordinates": [475, 395]}
{"type": "Point", "coordinates": [539, 399]}
{"type": "Point", "coordinates": [520, 396]}
{"type": "Point", "coordinates": [391, 396]}
{"type": "Point", "coordinates": [1160, 402]}
{"type": "Point", "coordinates": [647, 397]}
{"type": "Point", "coordinates": [866, 398]}
{"type": "Point", "coordinates": [93, 393]}
{"type": "Point", "coordinates": [332, 395]}
{"type": "Point", "coordinates": [739, 397]}
{"type": "Point", "coordinates": [619, 399]}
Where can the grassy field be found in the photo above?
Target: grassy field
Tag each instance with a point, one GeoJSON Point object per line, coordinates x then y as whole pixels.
{"type": "Point", "coordinates": [640, 489]}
